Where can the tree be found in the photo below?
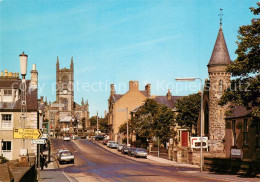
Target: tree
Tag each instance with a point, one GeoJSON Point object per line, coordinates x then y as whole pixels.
{"type": "Point", "coordinates": [188, 108]}
{"type": "Point", "coordinates": [102, 123]}
{"type": "Point", "coordinates": [153, 120]}
{"type": "Point", "coordinates": [245, 89]}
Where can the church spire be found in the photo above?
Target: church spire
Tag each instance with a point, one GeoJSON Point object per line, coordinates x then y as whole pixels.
{"type": "Point", "coordinates": [71, 63]}
{"type": "Point", "coordinates": [220, 55]}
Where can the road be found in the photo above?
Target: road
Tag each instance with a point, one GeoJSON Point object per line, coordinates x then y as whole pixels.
{"type": "Point", "coordinates": [94, 163]}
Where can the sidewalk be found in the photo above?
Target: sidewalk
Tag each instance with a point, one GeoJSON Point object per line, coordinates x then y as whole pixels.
{"type": "Point", "coordinates": [222, 177]}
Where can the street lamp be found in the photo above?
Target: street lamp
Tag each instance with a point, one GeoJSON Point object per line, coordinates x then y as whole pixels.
{"type": "Point", "coordinates": [23, 66]}
{"type": "Point", "coordinates": [201, 114]}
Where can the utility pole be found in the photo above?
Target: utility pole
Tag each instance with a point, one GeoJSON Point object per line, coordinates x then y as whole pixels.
{"type": "Point", "coordinates": [97, 122]}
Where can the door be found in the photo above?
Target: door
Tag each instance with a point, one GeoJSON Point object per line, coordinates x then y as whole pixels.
{"type": "Point", "coordinates": [7, 149]}
{"type": "Point", "coordinates": [184, 138]}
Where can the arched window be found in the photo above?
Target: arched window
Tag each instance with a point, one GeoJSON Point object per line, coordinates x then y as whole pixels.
{"type": "Point", "coordinates": [65, 82]}
{"type": "Point", "coordinates": [220, 87]}
{"type": "Point", "coordinates": [65, 102]}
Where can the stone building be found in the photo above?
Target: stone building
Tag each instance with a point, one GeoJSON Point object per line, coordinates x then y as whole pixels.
{"type": "Point", "coordinates": [214, 114]}
{"type": "Point", "coordinates": [65, 115]}
{"type": "Point", "coordinates": [11, 115]}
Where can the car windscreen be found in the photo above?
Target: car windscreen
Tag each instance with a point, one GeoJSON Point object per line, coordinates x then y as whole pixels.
{"type": "Point", "coordinates": [141, 150]}
{"type": "Point", "coordinates": [65, 153]}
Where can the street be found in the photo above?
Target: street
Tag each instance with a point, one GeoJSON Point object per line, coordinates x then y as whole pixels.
{"type": "Point", "coordinates": [94, 163]}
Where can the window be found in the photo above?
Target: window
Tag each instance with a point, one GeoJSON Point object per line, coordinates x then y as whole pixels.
{"type": "Point", "coordinates": [65, 82]}
{"type": "Point", "coordinates": [245, 132]}
{"type": "Point", "coordinates": [220, 87]}
{"type": "Point", "coordinates": [6, 121]}
{"type": "Point", "coordinates": [234, 132]}
{"type": "Point", "coordinates": [6, 146]}
{"type": "Point", "coordinates": [65, 102]}
{"type": "Point", "coordinates": [7, 92]}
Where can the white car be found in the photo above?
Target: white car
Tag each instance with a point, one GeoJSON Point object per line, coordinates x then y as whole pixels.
{"type": "Point", "coordinates": [66, 138]}
{"type": "Point", "coordinates": [66, 156]}
{"type": "Point", "coordinates": [109, 142]}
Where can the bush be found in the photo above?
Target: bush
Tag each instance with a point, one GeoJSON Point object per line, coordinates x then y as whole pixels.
{"type": "Point", "coordinates": [3, 160]}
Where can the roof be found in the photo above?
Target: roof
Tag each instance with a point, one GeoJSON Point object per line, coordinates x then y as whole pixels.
{"type": "Point", "coordinates": [31, 96]}
{"type": "Point", "coordinates": [118, 96]}
{"type": "Point", "coordinates": [238, 112]}
{"type": "Point", "coordinates": [220, 55]}
{"type": "Point", "coordinates": [169, 103]}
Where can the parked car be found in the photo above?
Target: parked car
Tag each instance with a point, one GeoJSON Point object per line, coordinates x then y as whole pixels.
{"type": "Point", "coordinates": [108, 143]}
{"type": "Point", "coordinates": [131, 151]}
{"type": "Point", "coordinates": [66, 138]}
{"type": "Point", "coordinates": [125, 149]}
{"type": "Point", "coordinates": [99, 137]}
{"type": "Point", "coordinates": [105, 141]}
{"type": "Point", "coordinates": [66, 156]}
{"type": "Point", "coordinates": [113, 145]}
{"type": "Point", "coordinates": [119, 147]}
{"type": "Point", "coordinates": [139, 152]}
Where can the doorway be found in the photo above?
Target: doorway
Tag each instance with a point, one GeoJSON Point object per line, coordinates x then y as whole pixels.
{"type": "Point", "coordinates": [7, 149]}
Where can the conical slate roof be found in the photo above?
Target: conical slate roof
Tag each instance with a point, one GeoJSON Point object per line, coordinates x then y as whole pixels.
{"type": "Point", "coordinates": [220, 55]}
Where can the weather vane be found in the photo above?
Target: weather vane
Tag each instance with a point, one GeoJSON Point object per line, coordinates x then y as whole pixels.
{"type": "Point", "coordinates": [220, 15]}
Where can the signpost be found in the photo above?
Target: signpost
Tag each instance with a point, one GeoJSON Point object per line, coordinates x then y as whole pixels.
{"type": "Point", "coordinates": [44, 136]}
{"type": "Point", "coordinates": [27, 133]}
{"type": "Point", "coordinates": [39, 141]}
{"type": "Point", "coordinates": [236, 153]}
{"type": "Point", "coordinates": [196, 142]}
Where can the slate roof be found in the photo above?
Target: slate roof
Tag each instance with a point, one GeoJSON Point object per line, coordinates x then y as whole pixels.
{"type": "Point", "coordinates": [169, 103]}
{"type": "Point", "coordinates": [220, 55]}
{"type": "Point", "coordinates": [31, 96]}
{"type": "Point", "coordinates": [239, 112]}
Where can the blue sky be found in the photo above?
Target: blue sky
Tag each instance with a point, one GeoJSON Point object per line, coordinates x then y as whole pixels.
{"type": "Point", "coordinates": [116, 41]}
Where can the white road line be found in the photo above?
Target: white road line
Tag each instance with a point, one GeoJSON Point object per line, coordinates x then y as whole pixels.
{"type": "Point", "coordinates": [66, 176]}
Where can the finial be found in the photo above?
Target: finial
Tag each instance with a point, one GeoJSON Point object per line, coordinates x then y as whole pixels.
{"type": "Point", "coordinates": [220, 16]}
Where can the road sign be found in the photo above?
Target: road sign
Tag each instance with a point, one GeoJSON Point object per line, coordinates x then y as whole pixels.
{"type": "Point", "coordinates": [236, 153]}
{"type": "Point", "coordinates": [27, 133]}
{"type": "Point", "coordinates": [39, 141]}
{"type": "Point", "coordinates": [44, 136]}
{"type": "Point", "coordinates": [196, 141]}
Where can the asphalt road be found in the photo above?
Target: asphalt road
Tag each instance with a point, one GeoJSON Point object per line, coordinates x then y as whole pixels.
{"type": "Point", "coordinates": [94, 163]}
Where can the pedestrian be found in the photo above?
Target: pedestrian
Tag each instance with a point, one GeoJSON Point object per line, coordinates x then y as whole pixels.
{"type": "Point", "coordinates": [42, 160]}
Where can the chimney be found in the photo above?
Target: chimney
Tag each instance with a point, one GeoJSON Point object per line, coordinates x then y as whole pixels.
{"type": "Point", "coordinates": [6, 72]}
{"type": "Point", "coordinates": [133, 85]}
{"type": "Point", "coordinates": [41, 99]}
{"type": "Point", "coordinates": [112, 90]}
{"type": "Point", "coordinates": [2, 74]}
{"type": "Point", "coordinates": [34, 77]}
{"type": "Point", "coordinates": [148, 89]}
{"type": "Point", "coordinates": [169, 95]}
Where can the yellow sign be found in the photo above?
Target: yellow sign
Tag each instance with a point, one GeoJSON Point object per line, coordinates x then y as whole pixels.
{"type": "Point", "coordinates": [27, 133]}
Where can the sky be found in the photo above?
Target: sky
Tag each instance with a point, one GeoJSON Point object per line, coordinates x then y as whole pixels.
{"type": "Point", "coordinates": [115, 41]}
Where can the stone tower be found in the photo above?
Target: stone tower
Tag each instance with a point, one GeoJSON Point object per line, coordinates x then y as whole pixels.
{"type": "Point", "coordinates": [219, 81]}
{"type": "Point", "coordinates": [64, 88]}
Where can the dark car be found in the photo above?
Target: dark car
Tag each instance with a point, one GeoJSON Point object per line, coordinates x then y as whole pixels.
{"type": "Point", "coordinates": [131, 151]}
{"type": "Point", "coordinates": [125, 149]}
{"type": "Point", "coordinates": [99, 137]}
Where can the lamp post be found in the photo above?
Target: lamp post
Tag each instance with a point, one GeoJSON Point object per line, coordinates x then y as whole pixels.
{"type": "Point", "coordinates": [23, 66]}
{"type": "Point", "coordinates": [201, 114]}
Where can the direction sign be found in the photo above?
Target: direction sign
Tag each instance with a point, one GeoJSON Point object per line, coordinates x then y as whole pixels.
{"type": "Point", "coordinates": [27, 133]}
{"type": "Point", "coordinates": [39, 141]}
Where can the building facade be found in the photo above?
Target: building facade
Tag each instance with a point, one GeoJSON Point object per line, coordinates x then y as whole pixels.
{"type": "Point", "coordinates": [65, 115]}
{"type": "Point", "coordinates": [11, 115]}
{"type": "Point", "coordinates": [120, 105]}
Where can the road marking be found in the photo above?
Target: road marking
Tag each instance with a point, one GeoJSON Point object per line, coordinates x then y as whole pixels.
{"type": "Point", "coordinates": [66, 176]}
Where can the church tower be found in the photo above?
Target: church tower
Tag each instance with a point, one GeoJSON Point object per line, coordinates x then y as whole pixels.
{"type": "Point", "coordinates": [64, 89]}
{"type": "Point", "coordinates": [219, 81]}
